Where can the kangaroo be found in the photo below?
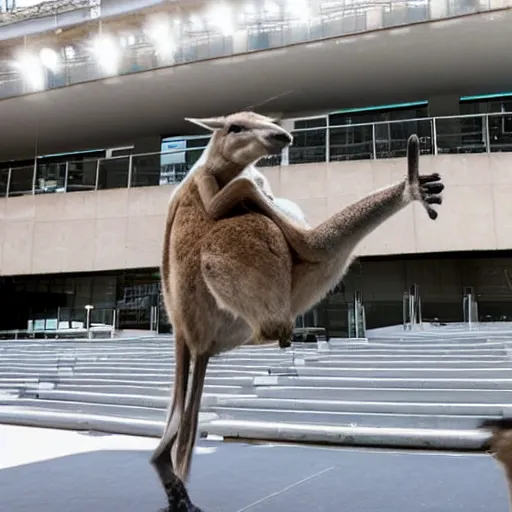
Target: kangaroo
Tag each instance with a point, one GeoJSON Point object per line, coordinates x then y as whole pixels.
{"type": "Point", "coordinates": [235, 266]}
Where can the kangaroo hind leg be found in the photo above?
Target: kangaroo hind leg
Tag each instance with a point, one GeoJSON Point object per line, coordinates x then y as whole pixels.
{"type": "Point", "coordinates": [247, 267]}
{"type": "Point", "coordinates": [161, 458]}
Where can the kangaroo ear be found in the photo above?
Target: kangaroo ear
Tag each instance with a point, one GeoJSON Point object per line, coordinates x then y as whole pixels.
{"type": "Point", "coordinates": [208, 123]}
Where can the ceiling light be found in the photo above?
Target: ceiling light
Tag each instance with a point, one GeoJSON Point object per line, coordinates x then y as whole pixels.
{"type": "Point", "coordinates": [272, 8]}
{"type": "Point", "coordinates": [299, 9]}
{"type": "Point", "coordinates": [32, 71]}
{"type": "Point", "coordinates": [221, 16]}
{"type": "Point", "coordinates": [107, 54]}
{"type": "Point", "coordinates": [250, 8]}
{"type": "Point", "coordinates": [159, 32]}
{"type": "Point", "coordinates": [127, 40]}
{"type": "Point", "coordinates": [196, 22]}
{"type": "Point", "coordinates": [50, 59]}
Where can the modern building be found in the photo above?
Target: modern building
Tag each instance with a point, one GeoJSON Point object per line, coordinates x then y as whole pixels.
{"type": "Point", "coordinates": [93, 97]}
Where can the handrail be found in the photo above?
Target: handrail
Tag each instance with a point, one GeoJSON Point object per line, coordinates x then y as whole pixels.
{"type": "Point", "coordinates": [131, 171]}
{"type": "Point", "coordinates": [394, 121]}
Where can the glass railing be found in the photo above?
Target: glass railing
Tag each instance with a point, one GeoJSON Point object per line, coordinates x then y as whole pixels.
{"type": "Point", "coordinates": [283, 24]}
{"type": "Point", "coordinates": [484, 133]}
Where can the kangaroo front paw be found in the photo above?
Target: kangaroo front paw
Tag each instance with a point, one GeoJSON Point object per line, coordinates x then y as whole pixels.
{"type": "Point", "coordinates": [431, 190]}
{"type": "Point", "coordinates": [426, 188]}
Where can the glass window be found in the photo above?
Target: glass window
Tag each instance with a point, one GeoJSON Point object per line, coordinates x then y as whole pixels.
{"type": "Point", "coordinates": [500, 132]}
{"type": "Point", "coordinates": [4, 178]}
{"type": "Point", "coordinates": [50, 177]}
{"type": "Point", "coordinates": [391, 138]}
{"type": "Point", "coordinates": [308, 145]}
{"type": "Point", "coordinates": [146, 170]}
{"type": "Point", "coordinates": [461, 135]}
{"type": "Point", "coordinates": [82, 175]}
{"type": "Point", "coordinates": [113, 173]}
{"type": "Point", "coordinates": [351, 143]}
{"type": "Point", "coordinates": [22, 181]}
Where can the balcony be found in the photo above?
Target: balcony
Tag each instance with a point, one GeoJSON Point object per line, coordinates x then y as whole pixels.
{"type": "Point", "coordinates": [60, 60]}
{"type": "Point", "coordinates": [486, 133]}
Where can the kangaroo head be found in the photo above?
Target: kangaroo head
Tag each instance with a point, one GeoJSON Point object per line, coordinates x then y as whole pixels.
{"type": "Point", "coordinates": [243, 138]}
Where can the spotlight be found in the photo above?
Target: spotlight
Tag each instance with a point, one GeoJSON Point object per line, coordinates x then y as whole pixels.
{"type": "Point", "coordinates": [127, 40]}
{"type": "Point", "coordinates": [299, 9]}
{"type": "Point", "coordinates": [50, 59]}
{"type": "Point", "coordinates": [107, 54]}
{"type": "Point", "coordinates": [159, 31]}
{"type": "Point", "coordinates": [31, 70]}
{"type": "Point", "coordinates": [272, 8]}
{"type": "Point", "coordinates": [250, 8]}
{"type": "Point", "coordinates": [221, 16]}
{"type": "Point", "coordinates": [196, 23]}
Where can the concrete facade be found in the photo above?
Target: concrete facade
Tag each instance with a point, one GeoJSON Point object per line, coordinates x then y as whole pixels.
{"type": "Point", "coordinates": [123, 228]}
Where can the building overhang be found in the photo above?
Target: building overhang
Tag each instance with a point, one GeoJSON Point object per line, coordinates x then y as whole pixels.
{"type": "Point", "coordinates": [461, 56]}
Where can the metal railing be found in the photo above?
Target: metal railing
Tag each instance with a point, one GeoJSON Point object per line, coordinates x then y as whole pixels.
{"type": "Point", "coordinates": [483, 133]}
{"type": "Point", "coordinates": [262, 29]}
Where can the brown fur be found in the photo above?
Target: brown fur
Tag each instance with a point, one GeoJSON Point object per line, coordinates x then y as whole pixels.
{"type": "Point", "coordinates": [233, 273]}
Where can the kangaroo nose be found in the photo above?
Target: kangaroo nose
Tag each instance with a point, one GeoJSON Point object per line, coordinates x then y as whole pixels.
{"type": "Point", "coordinates": [283, 138]}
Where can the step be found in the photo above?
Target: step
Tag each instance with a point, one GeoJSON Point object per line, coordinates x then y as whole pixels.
{"type": "Point", "coordinates": [131, 389]}
{"type": "Point", "coordinates": [385, 382]}
{"type": "Point", "coordinates": [88, 422]}
{"type": "Point", "coordinates": [386, 394]}
{"type": "Point", "coordinates": [124, 411]}
{"type": "Point", "coordinates": [475, 409]}
{"type": "Point", "coordinates": [141, 400]}
{"type": "Point", "coordinates": [162, 389]}
{"type": "Point", "coordinates": [326, 363]}
{"type": "Point", "coordinates": [349, 436]}
{"type": "Point", "coordinates": [371, 419]}
{"type": "Point", "coordinates": [402, 372]}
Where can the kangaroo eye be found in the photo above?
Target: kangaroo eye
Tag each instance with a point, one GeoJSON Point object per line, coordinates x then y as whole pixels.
{"type": "Point", "coordinates": [235, 128]}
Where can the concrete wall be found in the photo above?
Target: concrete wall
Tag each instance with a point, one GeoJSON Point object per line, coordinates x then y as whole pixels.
{"type": "Point", "coordinates": [123, 228]}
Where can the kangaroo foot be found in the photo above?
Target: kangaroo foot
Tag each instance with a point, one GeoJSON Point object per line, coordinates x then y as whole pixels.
{"type": "Point", "coordinates": [178, 498]}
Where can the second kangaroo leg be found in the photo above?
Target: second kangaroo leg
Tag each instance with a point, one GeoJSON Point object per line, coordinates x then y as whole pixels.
{"type": "Point", "coordinates": [250, 276]}
{"type": "Point", "coordinates": [161, 458]}
{"type": "Point", "coordinates": [182, 454]}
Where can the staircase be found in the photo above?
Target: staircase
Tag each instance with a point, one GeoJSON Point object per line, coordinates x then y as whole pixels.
{"type": "Point", "coordinates": [425, 389]}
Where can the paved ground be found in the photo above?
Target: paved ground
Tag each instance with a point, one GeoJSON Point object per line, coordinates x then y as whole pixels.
{"type": "Point", "coordinates": [60, 471]}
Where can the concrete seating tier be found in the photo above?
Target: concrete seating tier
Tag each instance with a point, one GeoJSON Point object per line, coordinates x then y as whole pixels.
{"type": "Point", "coordinates": [428, 388]}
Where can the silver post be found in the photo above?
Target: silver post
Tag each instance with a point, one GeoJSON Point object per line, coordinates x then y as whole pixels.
{"type": "Point", "coordinates": [327, 143]}
{"type": "Point", "coordinates": [97, 174]}
{"type": "Point", "coordinates": [405, 304]}
{"type": "Point", "coordinates": [34, 176]}
{"type": "Point", "coordinates": [66, 177]}
{"type": "Point", "coordinates": [130, 169]}
{"type": "Point", "coordinates": [88, 308]}
{"type": "Point", "coordinates": [470, 308]}
{"type": "Point", "coordinates": [113, 331]}
{"type": "Point", "coordinates": [487, 138]}
{"type": "Point", "coordinates": [8, 181]}
{"type": "Point", "coordinates": [356, 318]}
{"type": "Point", "coordinates": [374, 142]}
{"type": "Point", "coordinates": [434, 134]}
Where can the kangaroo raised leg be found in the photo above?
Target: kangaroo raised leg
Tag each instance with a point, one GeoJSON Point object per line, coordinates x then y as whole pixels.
{"type": "Point", "coordinates": [324, 252]}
